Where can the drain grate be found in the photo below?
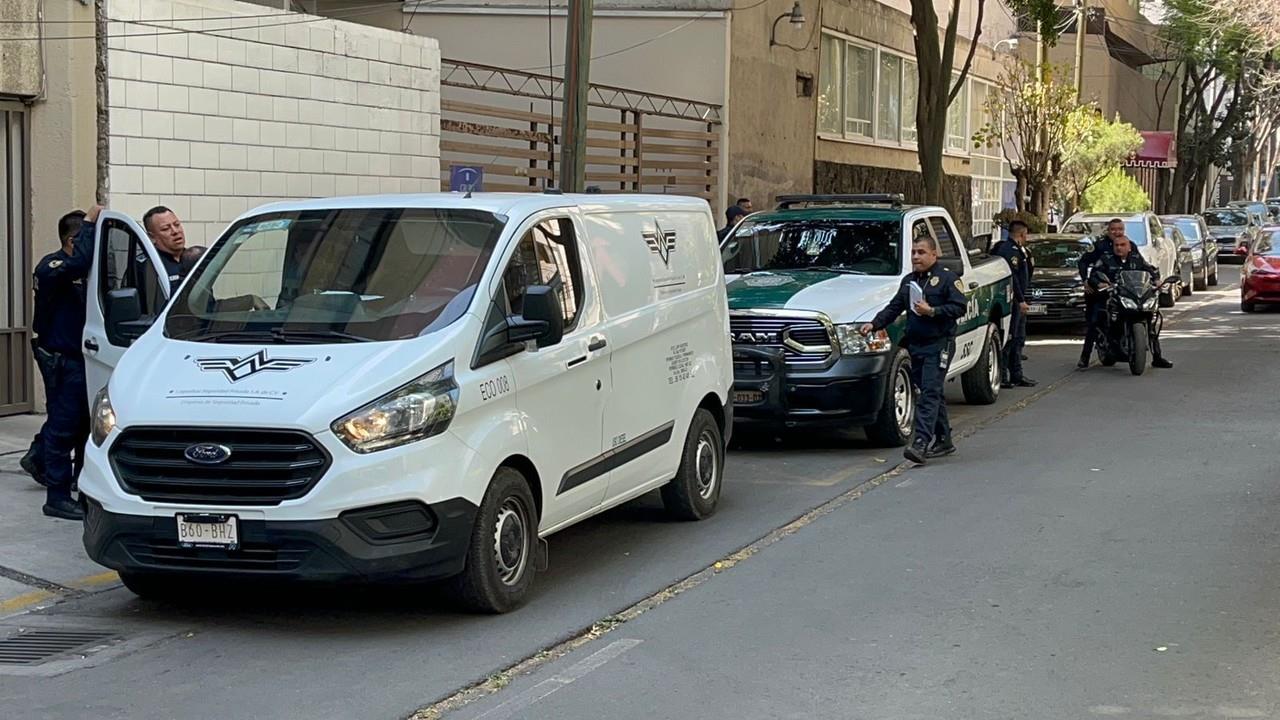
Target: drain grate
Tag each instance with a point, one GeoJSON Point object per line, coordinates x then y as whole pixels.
{"type": "Point", "coordinates": [36, 646]}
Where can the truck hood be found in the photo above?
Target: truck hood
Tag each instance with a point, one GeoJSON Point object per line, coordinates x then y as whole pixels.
{"type": "Point", "coordinates": [844, 298]}
{"type": "Point", "coordinates": [305, 387]}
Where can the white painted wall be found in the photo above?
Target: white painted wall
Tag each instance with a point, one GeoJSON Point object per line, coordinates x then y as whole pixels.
{"type": "Point", "coordinates": [214, 116]}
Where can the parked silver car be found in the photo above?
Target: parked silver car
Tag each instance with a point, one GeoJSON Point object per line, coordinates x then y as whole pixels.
{"type": "Point", "coordinates": [1199, 254]}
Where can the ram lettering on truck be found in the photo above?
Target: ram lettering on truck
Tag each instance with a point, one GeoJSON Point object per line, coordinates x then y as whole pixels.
{"type": "Point", "coordinates": [804, 276]}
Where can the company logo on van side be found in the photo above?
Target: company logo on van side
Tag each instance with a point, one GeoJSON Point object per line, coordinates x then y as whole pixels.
{"type": "Point", "coordinates": [661, 242]}
{"type": "Point", "coordinates": [237, 369]}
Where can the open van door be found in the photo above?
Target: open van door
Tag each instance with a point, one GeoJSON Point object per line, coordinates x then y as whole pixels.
{"type": "Point", "coordinates": [127, 289]}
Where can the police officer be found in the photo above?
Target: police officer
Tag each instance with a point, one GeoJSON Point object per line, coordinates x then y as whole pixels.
{"type": "Point", "coordinates": [930, 339]}
{"type": "Point", "coordinates": [1014, 252]}
{"type": "Point", "coordinates": [1123, 256]}
{"type": "Point", "coordinates": [59, 325]}
{"type": "Point", "coordinates": [166, 233]}
{"type": "Point", "coordinates": [1094, 306]}
{"type": "Point", "coordinates": [33, 461]}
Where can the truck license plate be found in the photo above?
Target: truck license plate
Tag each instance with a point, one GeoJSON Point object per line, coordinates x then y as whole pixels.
{"type": "Point", "coordinates": [1037, 309]}
{"type": "Point", "coordinates": [747, 397]}
{"type": "Point", "coordinates": [204, 530]}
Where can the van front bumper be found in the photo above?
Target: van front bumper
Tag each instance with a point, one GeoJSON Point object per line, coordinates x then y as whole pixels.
{"type": "Point", "coordinates": [768, 394]}
{"type": "Point", "coordinates": [430, 541]}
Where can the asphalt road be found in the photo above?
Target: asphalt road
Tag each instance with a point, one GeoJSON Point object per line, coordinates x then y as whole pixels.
{"type": "Point", "coordinates": [1034, 574]}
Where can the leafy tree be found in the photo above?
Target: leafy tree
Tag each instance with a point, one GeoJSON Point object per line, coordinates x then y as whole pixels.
{"type": "Point", "coordinates": [1092, 147]}
{"type": "Point", "coordinates": [1029, 121]}
{"type": "Point", "coordinates": [1116, 192]}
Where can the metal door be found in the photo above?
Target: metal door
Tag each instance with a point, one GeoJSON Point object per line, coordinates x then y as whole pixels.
{"type": "Point", "coordinates": [16, 386]}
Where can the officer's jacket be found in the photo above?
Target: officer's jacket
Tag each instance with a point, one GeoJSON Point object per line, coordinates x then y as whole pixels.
{"type": "Point", "coordinates": [60, 295]}
{"type": "Point", "coordinates": [1110, 264]}
{"type": "Point", "coordinates": [1102, 245]}
{"type": "Point", "coordinates": [943, 290]}
{"type": "Point", "coordinates": [1019, 265]}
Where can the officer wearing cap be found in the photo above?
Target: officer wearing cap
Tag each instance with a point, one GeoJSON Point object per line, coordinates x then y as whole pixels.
{"type": "Point", "coordinates": [59, 325]}
{"type": "Point", "coordinates": [1014, 252]}
{"type": "Point", "coordinates": [930, 340]}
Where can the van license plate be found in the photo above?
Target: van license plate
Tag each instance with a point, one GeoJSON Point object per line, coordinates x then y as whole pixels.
{"type": "Point", "coordinates": [747, 397]}
{"type": "Point", "coordinates": [205, 530]}
{"type": "Point", "coordinates": [1036, 309]}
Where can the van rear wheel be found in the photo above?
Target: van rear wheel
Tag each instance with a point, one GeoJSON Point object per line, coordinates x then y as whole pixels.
{"type": "Point", "coordinates": [500, 559]}
{"type": "Point", "coordinates": [695, 490]}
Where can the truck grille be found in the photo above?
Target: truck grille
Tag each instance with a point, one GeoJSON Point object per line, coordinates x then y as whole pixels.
{"type": "Point", "coordinates": [772, 333]}
{"type": "Point", "coordinates": [264, 467]}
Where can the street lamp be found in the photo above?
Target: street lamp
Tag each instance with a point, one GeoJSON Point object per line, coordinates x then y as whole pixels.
{"type": "Point", "coordinates": [796, 17]}
{"type": "Point", "coordinates": [1013, 44]}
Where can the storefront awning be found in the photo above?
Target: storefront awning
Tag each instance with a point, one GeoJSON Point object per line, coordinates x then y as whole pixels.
{"type": "Point", "coordinates": [1157, 151]}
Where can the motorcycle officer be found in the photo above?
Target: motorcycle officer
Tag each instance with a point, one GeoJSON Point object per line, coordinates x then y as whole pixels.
{"type": "Point", "coordinates": [1121, 257]}
{"type": "Point", "coordinates": [1094, 306]}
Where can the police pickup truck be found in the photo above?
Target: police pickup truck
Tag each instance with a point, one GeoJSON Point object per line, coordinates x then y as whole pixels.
{"type": "Point", "coordinates": [803, 277]}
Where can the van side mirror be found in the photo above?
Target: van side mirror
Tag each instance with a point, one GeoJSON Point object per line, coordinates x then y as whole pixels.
{"type": "Point", "coordinates": [123, 316]}
{"type": "Point", "coordinates": [542, 319]}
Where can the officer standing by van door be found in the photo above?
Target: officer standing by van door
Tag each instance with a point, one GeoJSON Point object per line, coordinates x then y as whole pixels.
{"type": "Point", "coordinates": [167, 235]}
{"type": "Point", "coordinates": [1014, 252]}
{"type": "Point", "coordinates": [933, 297]}
{"type": "Point", "coordinates": [59, 326]}
{"type": "Point", "coordinates": [33, 461]}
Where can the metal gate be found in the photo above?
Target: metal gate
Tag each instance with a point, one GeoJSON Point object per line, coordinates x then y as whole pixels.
{"type": "Point", "coordinates": [16, 386]}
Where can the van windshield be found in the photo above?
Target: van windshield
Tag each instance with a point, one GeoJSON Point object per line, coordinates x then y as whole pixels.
{"type": "Point", "coordinates": [339, 275]}
{"type": "Point", "coordinates": [859, 247]}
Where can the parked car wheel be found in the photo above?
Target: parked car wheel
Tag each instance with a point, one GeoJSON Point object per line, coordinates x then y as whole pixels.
{"type": "Point", "coordinates": [695, 490]}
{"type": "Point", "coordinates": [504, 541]}
{"type": "Point", "coordinates": [1188, 279]}
{"type": "Point", "coordinates": [981, 383]}
{"type": "Point", "coordinates": [1213, 276]}
{"type": "Point", "coordinates": [893, 425]}
{"type": "Point", "coordinates": [1247, 306]}
{"type": "Point", "coordinates": [1167, 299]}
{"type": "Point", "coordinates": [1202, 280]}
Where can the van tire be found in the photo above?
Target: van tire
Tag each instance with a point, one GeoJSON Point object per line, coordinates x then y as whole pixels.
{"type": "Point", "coordinates": [151, 586]}
{"type": "Point", "coordinates": [886, 431]}
{"type": "Point", "coordinates": [695, 490]}
{"type": "Point", "coordinates": [981, 383]}
{"type": "Point", "coordinates": [507, 517]}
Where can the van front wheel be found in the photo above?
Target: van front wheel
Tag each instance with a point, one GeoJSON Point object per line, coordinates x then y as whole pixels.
{"type": "Point", "coordinates": [695, 490]}
{"type": "Point", "coordinates": [500, 559]}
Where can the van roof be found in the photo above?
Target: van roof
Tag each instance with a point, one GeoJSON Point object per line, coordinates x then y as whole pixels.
{"type": "Point", "coordinates": [499, 203]}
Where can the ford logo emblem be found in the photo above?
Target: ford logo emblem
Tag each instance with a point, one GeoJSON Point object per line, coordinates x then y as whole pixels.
{"type": "Point", "coordinates": [207, 453]}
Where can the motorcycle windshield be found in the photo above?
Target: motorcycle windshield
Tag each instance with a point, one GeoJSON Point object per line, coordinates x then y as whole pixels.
{"type": "Point", "coordinates": [1135, 283]}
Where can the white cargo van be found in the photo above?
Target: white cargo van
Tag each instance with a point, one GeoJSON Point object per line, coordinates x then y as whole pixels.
{"type": "Point", "coordinates": [403, 387]}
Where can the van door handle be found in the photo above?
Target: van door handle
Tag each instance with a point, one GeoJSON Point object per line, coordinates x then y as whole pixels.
{"type": "Point", "coordinates": [576, 361]}
{"type": "Point", "coordinates": [91, 345]}
{"type": "Point", "coordinates": [597, 343]}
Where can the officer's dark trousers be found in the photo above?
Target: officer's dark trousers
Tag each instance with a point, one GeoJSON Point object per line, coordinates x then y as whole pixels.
{"type": "Point", "coordinates": [67, 427]}
{"type": "Point", "coordinates": [35, 453]}
{"type": "Point", "coordinates": [1093, 311]}
{"type": "Point", "coordinates": [929, 365]}
{"type": "Point", "coordinates": [1017, 341]}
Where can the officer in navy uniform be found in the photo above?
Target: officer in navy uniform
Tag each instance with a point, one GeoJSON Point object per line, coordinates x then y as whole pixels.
{"type": "Point", "coordinates": [1014, 252]}
{"type": "Point", "coordinates": [59, 325]}
{"type": "Point", "coordinates": [930, 340]}
{"type": "Point", "coordinates": [166, 233]}
{"type": "Point", "coordinates": [33, 461]}
{"type": "Point", "coordinates": [1094, 306]}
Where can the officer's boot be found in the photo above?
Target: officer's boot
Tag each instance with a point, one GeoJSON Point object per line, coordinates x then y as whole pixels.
{"type": "Point", "coordinates": [941, 447]}
{"type": "Point", "coordinates": [30, 464]}
{"type": "Point", "coordinates": [917, 452]}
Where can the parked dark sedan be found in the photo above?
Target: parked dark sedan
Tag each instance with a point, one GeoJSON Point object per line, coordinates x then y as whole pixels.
{"type": "Point", "coordinates": [1199, 258]}
{"type": "Point", "coordinates": [1057, 293]}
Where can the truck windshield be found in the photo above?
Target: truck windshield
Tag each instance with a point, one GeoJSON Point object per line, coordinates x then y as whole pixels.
{"type": "Point", "coordinates": [341, 275]}
{"type": "Point", "coordinates": [860, 247]}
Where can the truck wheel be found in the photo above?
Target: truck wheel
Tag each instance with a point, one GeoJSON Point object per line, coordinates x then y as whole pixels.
{"type": "Point", "coordinates": [981, 383]}
{"type": "Point", "coordinates": [695, 490]}
{"type": "Point", "coordinates": [893, 425]}
{"type": "Point", "coordinates": [500, 558]}
{"type": "Point", "coordinates": [1138, 348]}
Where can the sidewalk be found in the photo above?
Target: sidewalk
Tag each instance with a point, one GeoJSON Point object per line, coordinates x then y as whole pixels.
{"type": "Point", "coordinates": [41, 559]}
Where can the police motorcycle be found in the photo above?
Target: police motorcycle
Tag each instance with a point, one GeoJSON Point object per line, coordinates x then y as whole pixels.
{"type": "Point", "coordinates": [1132, 316]}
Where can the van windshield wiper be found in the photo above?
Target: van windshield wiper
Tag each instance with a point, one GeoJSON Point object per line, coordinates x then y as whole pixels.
{"type": "Point", "coordinates": [274, 335]}
{"type": "Point", "coordinates": [315, 336]}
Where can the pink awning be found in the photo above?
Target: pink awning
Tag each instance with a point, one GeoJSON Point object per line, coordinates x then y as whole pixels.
{"type": "Point", "coordinates": [1157, 151]}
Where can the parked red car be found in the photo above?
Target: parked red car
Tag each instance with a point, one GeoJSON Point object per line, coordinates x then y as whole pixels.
{"type": "Point", "coordinates": [1260, 274]}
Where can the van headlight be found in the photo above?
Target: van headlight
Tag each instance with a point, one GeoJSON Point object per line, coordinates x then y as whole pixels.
{"type": "Point", "coordinates": [419, 409]}
{"type": "Point", "coordinates": [102, 418]}
{"type": "Point", "coordinates": [852, 342]}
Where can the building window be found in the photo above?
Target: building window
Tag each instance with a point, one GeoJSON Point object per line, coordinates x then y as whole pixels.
{"type": "Point", "coordinates": [829, 113]}
{"type": "Point", "coordinates": [859, 89]}
{"type": "Point", "coordinates": [957, 118]}
{"type": "Point", "coordinates": [910, 97]}
{"type": "Point", "coordinates": [889, 102]}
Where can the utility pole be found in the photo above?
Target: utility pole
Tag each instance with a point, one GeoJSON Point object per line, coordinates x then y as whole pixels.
{"type": "Point", "coordinates": [577, 65]}
{"type": "Point", "coordinates": [1082, 15]}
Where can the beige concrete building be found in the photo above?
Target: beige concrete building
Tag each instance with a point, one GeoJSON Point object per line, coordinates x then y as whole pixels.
{"type": "Point", "coordinates": [210, 107]}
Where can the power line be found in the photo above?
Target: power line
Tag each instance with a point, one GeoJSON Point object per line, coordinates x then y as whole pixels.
{"type": "Point", "coordinates": [388, 3]}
